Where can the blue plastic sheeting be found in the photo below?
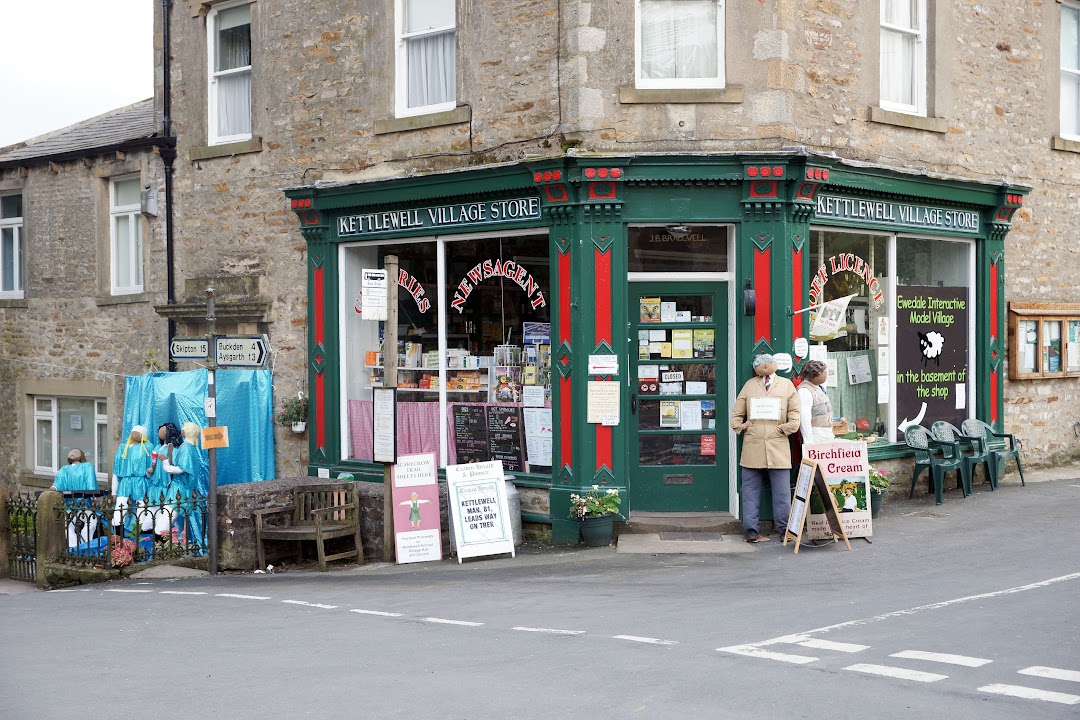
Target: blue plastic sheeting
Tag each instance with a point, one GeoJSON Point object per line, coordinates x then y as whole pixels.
{"type": "Point", "coordinates": [244, 404]}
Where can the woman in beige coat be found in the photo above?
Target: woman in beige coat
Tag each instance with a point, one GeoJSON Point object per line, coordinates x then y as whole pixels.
{"type": "Point", "coordinates": [766, 412]}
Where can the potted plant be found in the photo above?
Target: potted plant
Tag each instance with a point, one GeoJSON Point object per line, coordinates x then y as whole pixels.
{"type": "Point", "coordinates": [294, 412]}
{"type": "Point", "coordinates": [596, 511]}
{"type": "Point", "coordinates": [879, 483]}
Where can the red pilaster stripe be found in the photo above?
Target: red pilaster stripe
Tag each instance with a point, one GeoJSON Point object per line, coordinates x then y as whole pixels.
{"type": "Point", "coordinates": [993, 397]}
{"type": "Point", "coordinates": [796, 292]}
{"type": "Point", "coordinates": [603, 447]}
{"type": "Point", "coordinates": [993, 300]}
{"type": "Point", "coordinates": [320, 410]}
{"type": "Point", "coordinates": [566, 423]}
{"type": "Point", "coordinates": [602, 303]}
{"type": "Point", "coordinates": [564, 297]}
{"type": "Point", "coordinates": [762, 288]}
{"type": "Point", "coordinates": [319, 308]}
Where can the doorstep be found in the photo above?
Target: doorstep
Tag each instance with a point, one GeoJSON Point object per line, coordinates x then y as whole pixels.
{"type": "Point", "coordinates": [650, 523]}
{"type": "Point", "coordinates": [682, 543]}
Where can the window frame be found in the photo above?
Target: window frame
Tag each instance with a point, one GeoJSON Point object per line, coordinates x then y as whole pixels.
{"type": "Point", "coordinates": [52, 415]}
{"type": "Point", "coordinates": [134, 214]}
{"type": "Point", "coordinates": [1042, 314]}
{"type": "Point", "coordinates": [401, 64]}
{"type": "Point", "coordinates": [717, 83]}
{"type": "Point", "coordinates": [1062, 70]}
{"type": "Point", "coordinates": [918, 69]}
{"type": "Point", "coordinates": [212, 137]}
{"type": "Point", "coordinates": [16, 224]}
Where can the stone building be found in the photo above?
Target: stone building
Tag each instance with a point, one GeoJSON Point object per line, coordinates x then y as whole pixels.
{"type": "Point", "coordinates": [544, 175]}
{"type": "Point", "coordinates": [82, 263]}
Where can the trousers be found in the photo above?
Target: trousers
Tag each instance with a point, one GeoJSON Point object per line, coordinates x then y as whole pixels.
{"type": "Point", "coordinates": [780, 482]}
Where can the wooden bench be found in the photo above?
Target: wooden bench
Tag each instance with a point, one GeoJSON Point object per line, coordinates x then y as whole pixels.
{"type": "Point", "coordinates": [318, 513]}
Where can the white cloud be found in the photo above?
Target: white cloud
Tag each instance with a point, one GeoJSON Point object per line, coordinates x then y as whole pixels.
{"type": "Point", "coordinates": [68, 60]}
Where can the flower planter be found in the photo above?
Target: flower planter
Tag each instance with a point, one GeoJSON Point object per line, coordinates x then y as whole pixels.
{"type": "Point", "coordinates": [299, 427]}
{"type": "Point", "coordinates": [597, 530]}
{"type": "Point", "coordinates": [876, 498]}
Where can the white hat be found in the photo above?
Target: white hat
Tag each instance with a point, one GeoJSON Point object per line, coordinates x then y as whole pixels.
{"type": "Point", "coordinates": [141, 429]}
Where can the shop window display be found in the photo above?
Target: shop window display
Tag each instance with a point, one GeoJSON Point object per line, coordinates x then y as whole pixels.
{"type": "Point", "coordinates": [474, 356]}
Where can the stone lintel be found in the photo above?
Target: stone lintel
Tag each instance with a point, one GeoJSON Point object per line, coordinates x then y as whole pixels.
{"type": "Point", "coordinates": [253, 311]}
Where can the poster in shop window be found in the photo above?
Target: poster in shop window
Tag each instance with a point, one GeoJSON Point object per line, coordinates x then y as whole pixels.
{"type": "Point", "coordinates": [931, 355]}
{"type": "Point", "coordinates": [846, 471]}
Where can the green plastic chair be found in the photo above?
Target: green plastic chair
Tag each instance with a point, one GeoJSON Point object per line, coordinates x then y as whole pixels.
{"type": "Point", "coordinates": [1000, 446]}
{"type": "Point", "coordinates": [976, 451]}
{"type": "Point", "coordinates": [937, 456]}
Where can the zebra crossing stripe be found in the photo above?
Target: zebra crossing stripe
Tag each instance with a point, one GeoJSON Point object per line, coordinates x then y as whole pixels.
{"type": "Point", "coordinates": [942, 658]}
{"type": "Point", "coordinates": [753, 651]}
{"type": "Point", "coordinates": [1052, 673]}
{"type": "Point", "coordinates": [895, 672]}
{"type": "Point", "coordinates": [818, 644]}
{"type": "Point", "coordinates": [1019, 691]}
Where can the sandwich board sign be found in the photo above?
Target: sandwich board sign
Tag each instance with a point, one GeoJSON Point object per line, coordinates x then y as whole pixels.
{"type": "Point", "coordinates": [479, 515]}
{"type": "Point", "coordinates": [417, 526]}
{"type": "Point", "coordinates": [846, 470]}
{"type": "Point", "coordinates": [810, 479]}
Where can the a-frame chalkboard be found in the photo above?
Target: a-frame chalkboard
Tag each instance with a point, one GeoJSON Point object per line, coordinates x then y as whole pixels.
{"type": "Point", "coordinates": [810, 477]}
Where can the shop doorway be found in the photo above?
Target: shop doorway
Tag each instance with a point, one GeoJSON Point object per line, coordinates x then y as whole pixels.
{"type": "Point", "coordinates": [678, 441]}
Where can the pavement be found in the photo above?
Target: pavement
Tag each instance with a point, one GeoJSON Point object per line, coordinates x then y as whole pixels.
{"type": "Point", "coordinates": [652, 544]}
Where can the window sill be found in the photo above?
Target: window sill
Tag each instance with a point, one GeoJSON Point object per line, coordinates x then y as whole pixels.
{"type": "Point", "coordinates": [915, 122]}
{"type": "Point", "coordinates": [226, 150]}
{"type": "Point", "coordinates": [629, 95]}
{"type": "Point", "coordinates": [13, 303]}
{"type": "Point", "coordinates": [1060, 143]}
{"type": "Point", "coordinates": [458, 115]}
{"type": "Point", "coordinates": [103, 300]}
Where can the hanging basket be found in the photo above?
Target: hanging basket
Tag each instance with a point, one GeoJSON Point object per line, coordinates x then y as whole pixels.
{"type": "Point", "coordinates": [299, 427]}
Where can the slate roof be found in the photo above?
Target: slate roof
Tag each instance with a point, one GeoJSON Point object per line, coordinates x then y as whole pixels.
{"type": "Point", "coordinates": [134, 122]}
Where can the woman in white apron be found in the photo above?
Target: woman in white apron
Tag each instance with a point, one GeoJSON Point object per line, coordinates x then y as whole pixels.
{"type": "Point", "coordinates": [816, 411]}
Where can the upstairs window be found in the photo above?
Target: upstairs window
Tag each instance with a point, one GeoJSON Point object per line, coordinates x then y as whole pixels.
{"type": "Point", "coordinates": [1070, 72]}
{"type": "Point", "coordinates": [680, 44]}
{"type": "Point", "coordinates": [229, 53]}
{"type": "Point", "coordinates": [125, 227]}
{"type": "Point", "coordinates": [426, 57]}
{"type": "Point", "coordinates": [11, 247]}
{"type": "Point", "coordinates": [903, 56]}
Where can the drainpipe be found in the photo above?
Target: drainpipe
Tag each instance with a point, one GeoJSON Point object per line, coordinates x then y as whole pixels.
{"type": "Point", "coordinates": [168, 156]}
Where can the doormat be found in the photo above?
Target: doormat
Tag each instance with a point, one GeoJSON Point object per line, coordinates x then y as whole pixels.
{"type": "Point", "coordinates": [691, 536]}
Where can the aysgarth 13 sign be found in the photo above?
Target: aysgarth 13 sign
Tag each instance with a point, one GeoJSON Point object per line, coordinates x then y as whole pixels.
{"type": "Point", "coordinates": [484, 212]}
{"type": "Point", "coordinates": [896, 214]}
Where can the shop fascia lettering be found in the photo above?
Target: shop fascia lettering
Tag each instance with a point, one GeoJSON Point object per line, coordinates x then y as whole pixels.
{"type": "Point", "coordinates": [477, 213]}
{"type": "Point", "coordinates": [846, 262]}
{"type": "Point", "coordinates": [490, 268]}
{"type": "Point", "coordinates": [893, 213]}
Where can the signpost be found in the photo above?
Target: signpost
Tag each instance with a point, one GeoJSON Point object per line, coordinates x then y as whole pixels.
{"type": "Point", "coordinates": [245, 351]}
{"type": "Point", "coordinates": [189, 348]}
{"type": "Point", "coordinates": [390, 365]}
{"type": "Point", "coordinates": [211, 453]}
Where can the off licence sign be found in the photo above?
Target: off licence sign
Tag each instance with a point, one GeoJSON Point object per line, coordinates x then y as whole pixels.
{"type": "Point", "coordinates": [240, 351]}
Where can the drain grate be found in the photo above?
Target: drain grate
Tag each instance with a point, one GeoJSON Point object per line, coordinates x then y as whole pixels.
{"type": "Point", "coordinates": [691, 536]}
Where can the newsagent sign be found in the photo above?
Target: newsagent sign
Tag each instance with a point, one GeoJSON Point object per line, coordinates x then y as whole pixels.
{"type": "Point", "coordinates": [896, 214]}
{"type": "Point", "coordinates": [485, 212]}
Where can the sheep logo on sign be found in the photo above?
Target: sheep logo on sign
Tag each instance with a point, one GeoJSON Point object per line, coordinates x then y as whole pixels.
{"type": "Point", "coordinates": [931, 344]}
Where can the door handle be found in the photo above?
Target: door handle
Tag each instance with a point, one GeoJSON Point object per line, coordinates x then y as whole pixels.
{"type": "Point", "coordinates": [633, 403]}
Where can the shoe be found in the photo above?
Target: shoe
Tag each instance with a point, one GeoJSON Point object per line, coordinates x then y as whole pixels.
{"type": "Point", "coordinates": [759, 539]}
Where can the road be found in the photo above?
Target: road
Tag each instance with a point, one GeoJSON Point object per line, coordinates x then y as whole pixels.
{"type": "Point", "coordinates": [967, 610]}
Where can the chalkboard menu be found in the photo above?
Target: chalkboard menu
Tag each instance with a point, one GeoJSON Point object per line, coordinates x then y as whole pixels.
{"type": "Point", "coordinates": [491, 432]}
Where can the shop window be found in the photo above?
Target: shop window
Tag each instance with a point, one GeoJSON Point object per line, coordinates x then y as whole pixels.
{"type": "Point", "coordinates": [1044, 340]}
{"type": "Point", "coordinates": [1070, 71]}
{"type": "Point", "coordinates": [11, 247]}
{"type": "Point", "coordinates": [229, 50]}
{"type": "Point", "coordinates": [474, 354]}
{"type": "Point", "coordinates": [680, 44]}
{"type": "Point", "coordinates": [63, 423]}
{"type": "Point", "coordinates": [903, 56]}
{"type": "Point", "coordinates": [426, 56]}
{"type": "Point", "coordinates": [900, 353]}
{"type": "Point", "coordinates": [678, 248]}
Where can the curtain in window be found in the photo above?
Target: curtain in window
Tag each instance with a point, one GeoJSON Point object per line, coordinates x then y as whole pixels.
{"type": "Point", "coordinates": [123, 253]}
{"type": "Point", "coordinates": [1070, 71]}
{"type": "Point", "coordinates": [678, 39]}
{"type": "Point", "coordinates": [232, 64]}
{"type": "Point", "coordinates": [431, 68]}
{"type": "Point", "coordinates": [897, 67]}
{"type": "Point", "coordinates": [7, 260]}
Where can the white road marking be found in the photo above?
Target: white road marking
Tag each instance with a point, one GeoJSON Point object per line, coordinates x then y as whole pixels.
{"type": "Point", "coordinates": [67, 590]}
{"type": "Point", "coordinates": [942, 658]}
{"type": "Point", "coordinates": [550, 631]}
{"type": "Point", "coordinates": [1052, 673]}
{"type": "Point", "coordinates": [754, 651]}
{"type": "Point", "coordinates": [651, 641]}
{"type": "Point", "coordinates": [818, 644]}
{"type": "Point", "coordinates": [444, 621]}
{"type": "Point", "coordinates": [243, 597]}
{"type": "Point", "coordinates": [376, 612]}
{"type": "Point", "coordinates": [180, 592]}
{"type": "Point", "coordinates": [307, 604]}
{"type": "Point", "coordinates": [1027, 693]}
{"type": "Point", "coordinates": [895, 672]}
{"type": "Point", "coordinates": [127, 591]}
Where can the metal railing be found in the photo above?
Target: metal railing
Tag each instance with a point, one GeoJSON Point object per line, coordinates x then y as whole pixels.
{"type": "Point", "coordinates": [22, 529]}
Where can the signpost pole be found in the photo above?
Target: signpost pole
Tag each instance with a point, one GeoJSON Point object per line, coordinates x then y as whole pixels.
{"type": "Point", "coordinates": [211, 396]}
{"type": "Point", "coordinates": [390, 365]}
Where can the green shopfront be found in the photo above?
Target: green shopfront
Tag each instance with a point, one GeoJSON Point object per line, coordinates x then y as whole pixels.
{"type": "Point", "coordinates": [588, 320]}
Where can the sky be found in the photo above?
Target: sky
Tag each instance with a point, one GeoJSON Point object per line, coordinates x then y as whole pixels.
{"type": "Point", "coordinates": [64, 61]}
